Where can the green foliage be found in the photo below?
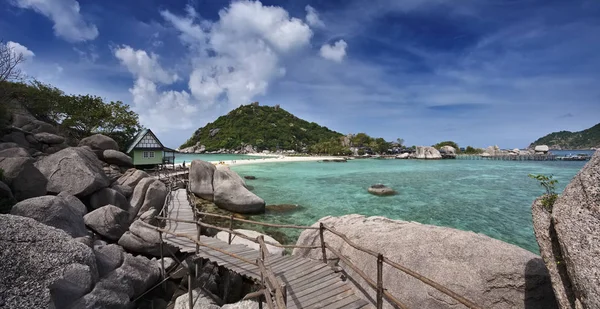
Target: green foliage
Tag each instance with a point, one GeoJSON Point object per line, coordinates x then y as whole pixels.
{"type": "Point", "coordinates": [571, 140]}
{"type": "Point", "coordinates": [361, 140]}
{"type": "Point", "coordinates": [549, 185]}
{"type": "Point", "coordinates": [471, 150]}
{"type": "Point", "coordinates": [379, 145]}
{"type": "Point", "coordinates": [400, 141]}
{"type": "Point", "coordinates": [447, 143]}
{"type": "Point", "coordinates": [264, 127]}
{"type": "Point", "coordinates": [79, 115]}
{"type": "Point", "coordinates": [361, 152]}
{"type": "Point", "coordinates": [331, 147]}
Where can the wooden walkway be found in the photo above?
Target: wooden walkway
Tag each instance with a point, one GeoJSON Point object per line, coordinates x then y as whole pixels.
{"type": "Point", "coordinates": [310, 284]}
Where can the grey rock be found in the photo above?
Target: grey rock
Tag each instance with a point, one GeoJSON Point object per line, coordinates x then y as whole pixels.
{"type": "Point", "coordinates": [426, 152]}
{"type": "Point", "coordinates": [201, 179]}
{"type": "Point", "coordinates": [16, 137]}
{"type": "Point", "coordinates": [576, 218]}
{"type": "Point", "coordinates": [201, 301]}
{"type": "Point", "coordinates": [76, 281]}
{"type": "Point", "coordinates": [143, 238]}
{"type": "Point", "coordinates": [99, 143]}
{"type": "Point", "coordinates": [132, 177]}
{"type": "Point", "coordinates": [37, 126]}
{"type": "Point", "coordinates": [49, 138]}
{"type": "Point", "coordinates": [34, 257]}
{"type": "Point", "coordinates": [149, 194]}
{"type": "Point", "coordinates": [231, 194]}
{"type": "Point", "coordinates": [86, 240]}
{"type": "Point", "coordinates": [19, 120]}
{"type": "Point", "coordinates": [23, 178]}
{"type": "Point", "coordinates": [53, 211]}
{"type": "Point", "coordinates": [74, 203]}
{"type": "Point", "coordinates": [9, 145]}
{"type": "Point", "coordinates": [214, 132]}
{"type": "Point", "coordinates": [108, 258]}
{"type": "Point", "coordinates": [448, 150]}
{"type": "Point", "coordinates": [244, 304]}
{"type": "Point", "coordinates": [116, 157]}
{"type": "Point", "coordinates": [550, 252]}
{"type": "Point", "coordinates": [108, 196]}
{"type": "Point", "coordinates": [7, 200]}
{"type": "Point", "coordinates": [109, 221]}
{"type": "Point", "coordinates": [15, 152]}
{"type": "Point", "coordinates": [74, 170]}
{"type": "Point", "coordinates": [489, 272]}
{"type": "Point", "coordinates": [119, 287]}
{"type": "Point", "coordinates": [112, 172]}
{"type": "Point", "coordinates": [379, 189]}
{"type": "Point", "coordinates": [126, 191]}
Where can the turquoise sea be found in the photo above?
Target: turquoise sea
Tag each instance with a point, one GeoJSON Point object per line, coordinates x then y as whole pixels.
{"type": "Point", "coordinates": [489, 197]}
{"type": "Point", "coordinates": [188, 157]}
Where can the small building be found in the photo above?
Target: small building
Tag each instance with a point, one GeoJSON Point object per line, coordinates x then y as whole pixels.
{"type": "Point", "coordinates": [147, 151]}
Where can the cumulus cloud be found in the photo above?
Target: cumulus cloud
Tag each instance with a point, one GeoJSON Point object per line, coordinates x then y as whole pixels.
{"type": "Point", "coordinates": [162, 110]}
{"type": "Point", "coordinates": [238, 56]}
{"type": "Point", "coordinates": [20, 49]}
{"type": "Point", "coordinates": [68, 22]}
{"type": "Point", "coordinates": [312, 17]}
{"type": "Point", "coordinates": [335, 52]}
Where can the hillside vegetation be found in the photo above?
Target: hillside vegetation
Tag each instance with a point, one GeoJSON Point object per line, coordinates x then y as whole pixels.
{"type": "Point", "coordinates": [588, 138]}
{"type": "Point", "coordinates": [265, 127]}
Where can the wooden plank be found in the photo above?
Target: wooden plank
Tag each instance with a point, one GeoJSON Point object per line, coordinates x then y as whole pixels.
{"type": "Point", "coordinates": [306, 270]}
{"type": "Point", "coordinates": [319, 276]}
{"type": "Point", "coordinates": [321, 294]}
{"type": "Point", "coordinates": [313, 288]}
{"type": "Point", "coordinates": [357, 304]}
{"type": "Point", "coordinates": [287, 266]}
{"type": "Point", "coordinates": [340, 302]}
{"type": "Point", "coordinates": [321, 302]}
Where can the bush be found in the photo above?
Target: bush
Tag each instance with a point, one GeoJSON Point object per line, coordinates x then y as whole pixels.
{"type": "Point", "coordinates": [447, 143]}
{"type": "Point", "coordinates": [471, 150]}
{"type": "Point", "coordinates": [549, 185]}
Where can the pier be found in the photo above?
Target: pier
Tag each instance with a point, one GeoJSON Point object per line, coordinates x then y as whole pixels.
{"type": "Point", "coordinates": [533, 157]}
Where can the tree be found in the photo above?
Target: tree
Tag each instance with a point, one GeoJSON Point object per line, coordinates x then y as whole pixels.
{"type": "Point", "coordinates": [471, 150]}
{"type": "Point", "coordinates": [361, 140]}
{"type": "Point", "coordinates": [379, 145]}
{"type": "Point", "coordinates": [400, 141]}
{"type": "Point", "coordinates": [447, 143]}
{"type": "Point", "coordinates": [9, 62]}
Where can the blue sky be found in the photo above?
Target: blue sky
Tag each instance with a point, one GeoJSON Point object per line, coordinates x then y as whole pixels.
{"type": "Point", "coordinates": [479, 72]}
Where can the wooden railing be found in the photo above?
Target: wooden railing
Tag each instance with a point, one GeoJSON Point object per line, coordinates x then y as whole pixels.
{"type": "Point", "coordinates": [378, 286]}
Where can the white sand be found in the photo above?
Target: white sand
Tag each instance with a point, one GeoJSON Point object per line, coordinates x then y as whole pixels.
{"type": "Point", "coordinates": [273, 158]}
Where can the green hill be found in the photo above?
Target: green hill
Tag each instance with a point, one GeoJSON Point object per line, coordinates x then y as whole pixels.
{"type": "Point", "coordinates": [588, 138]}
{"type": "Point", "coordinates": [265, 127]}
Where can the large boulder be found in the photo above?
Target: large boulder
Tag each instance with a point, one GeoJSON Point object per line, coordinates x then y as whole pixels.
{"type": "Point", "coordinates": [118, 288]}
{"type": "Point", "coordinates": [23, 178]}
{"type": "Point", "coordinates": [74, 170]}
{"type": "Point", "coordinates": [201, 301]}
{"type": "Point", "coordinates": [489, 272]}
{"type": "Point", "coordinates": [201, 179]}
{"type": "Point", "coordinates": [74, 203]}
{"type": "Point", "coordinates": [16, 137]}
{"type": "Point", "coordinates": [149, 194]}
{"type": "Point", "coordinates": [575, 238]}
{"type": "Point", "coordinates": [36, 126]}
{"type": "Point", "coordinates": [380, 189]}
{"type": "Point", "coordinates": [42, 267]}
{"type": "Point", "coordinates": [99, 143]}
{"type": "Point", "coordinates": [15, 152]}
{"type": "Point", "coordinates": [126, 191]}
{"type": "Point", "coordinates": [231, 194]}
{"type": "Point", "coordinates": [108, 196]}
{"type": "Point", "coordinates": [53, 211]}
{"type": "Point", "coordinates": [144, 238]}
{"type": "Point", "coordinates": [224, 236]}
{"type": "Point", "coordinates": [493, 151]}
{"type": "Point", "coordinates": [116, 157]}
{"type": "Point", "coordinates": [49, 138]}
{"type": "Point", "coordinates": [132, 177]}
{"type": "Point", "coordinates": [426, 152]}
{"type": "Point", "coordinates": [112, 172]}
{"type": "Point", "coordinates": [447, 150]}
{"type": "Point", "coordinates": [541, 148]}
{"type": "Point", "coordinates": [8, 145]}
{"type": "Point", "coordinates": [109, 221]}
{"type": "Point", "coordinates": [108, 258]}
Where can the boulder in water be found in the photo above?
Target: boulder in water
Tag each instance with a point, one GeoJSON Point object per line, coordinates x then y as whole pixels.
{"type": "Point", "coordinates": [230, 193]}
{"type": "Point", "coordinates": [380, 189]}
{"type": "Point", "coordinates": [426, 152]}
{"type": "Point", "coordinates": [250, 177]}
{"type": "Point", "coordinates": [201, 179]}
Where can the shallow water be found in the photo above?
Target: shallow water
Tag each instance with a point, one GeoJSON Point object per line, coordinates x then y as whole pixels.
{"type": "Point", "coordinates": [188, 157]}
{"type": "Point", "coordinates": [489, 197]}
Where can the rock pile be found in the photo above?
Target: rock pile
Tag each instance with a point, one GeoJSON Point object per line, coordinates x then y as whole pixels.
{"type": "Point", "coordinates": [426, 152]}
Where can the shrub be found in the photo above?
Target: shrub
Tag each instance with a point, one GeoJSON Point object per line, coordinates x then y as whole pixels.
{"type": "Point", "coordinates": [549, 185]}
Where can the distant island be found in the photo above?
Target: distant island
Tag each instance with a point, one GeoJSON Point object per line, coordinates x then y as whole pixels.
{"type": "Point", "coordinates": [586, 139]}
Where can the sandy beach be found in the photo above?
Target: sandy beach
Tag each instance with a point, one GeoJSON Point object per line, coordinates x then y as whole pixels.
{"type": "Point", "coordinates": [272, 158]}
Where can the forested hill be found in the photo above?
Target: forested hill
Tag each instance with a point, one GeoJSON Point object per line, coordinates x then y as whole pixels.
{"type": "Point", "coordinates": [265, 127]}
{"type": "Point", "coordinates": [588, 138]}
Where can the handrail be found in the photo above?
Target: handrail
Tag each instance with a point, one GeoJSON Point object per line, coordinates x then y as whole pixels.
{"type": "Point", "coordinates": [272, 282]}
{"type": "Point", "coordinates": [259, 223]}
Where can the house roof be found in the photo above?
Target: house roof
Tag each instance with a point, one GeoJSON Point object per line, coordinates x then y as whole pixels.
{"type": "Point", "coordinates": [139, 137]}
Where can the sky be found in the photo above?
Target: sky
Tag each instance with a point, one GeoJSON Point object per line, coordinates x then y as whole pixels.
{"type": "Point", "coordinates": [478, 72]}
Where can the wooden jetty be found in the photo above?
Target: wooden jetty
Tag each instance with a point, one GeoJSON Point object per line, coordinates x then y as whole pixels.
{"type": "Point", "coordinates": [533, 157]}
{"type": "Point", "coordinates": [284, 281]}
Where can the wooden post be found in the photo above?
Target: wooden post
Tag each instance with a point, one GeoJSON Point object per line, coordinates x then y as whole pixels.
{"type": "Point", "coordinates": [190, 294]}
{"type": "Point", "coordinates": [380, 281]}
{"type": "Point", "coordinates": [284, 292]}
{"type": "Point", "coordinates": [162, 262]}
{"type": "Point", "coordinates": [230, 228]}
{"type": "Point", "coordinates": [321, 230]}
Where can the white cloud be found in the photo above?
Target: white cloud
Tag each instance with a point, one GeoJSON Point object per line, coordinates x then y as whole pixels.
{"type": "Point", "coordinates": [162, 110]}
{"type": "Point", "coordinates": [139, 63]}
{"type": "Point", "coordinates": [20, 49]}
{"type": "Point", "coordinates": [68, 22]}
{"type": "Point", "coordinates": [312, 17]}
{"type": "Point", "coordinates": [335, 52]}
{"type": "Point", "coordinates": [236, 58]}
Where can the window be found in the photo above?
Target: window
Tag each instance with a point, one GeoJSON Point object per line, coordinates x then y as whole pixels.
{"type": "Point", "coordinates": [146, 154]}
{"type": "Point", "coordinates": [151, 154]}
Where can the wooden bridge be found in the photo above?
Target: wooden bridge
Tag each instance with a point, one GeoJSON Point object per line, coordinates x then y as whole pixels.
{"type": "Point", "coordinates": [284, 281]}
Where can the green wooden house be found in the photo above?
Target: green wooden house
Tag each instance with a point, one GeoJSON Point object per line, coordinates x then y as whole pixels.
{"type": "Point", "coordinates": [146, 150]}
